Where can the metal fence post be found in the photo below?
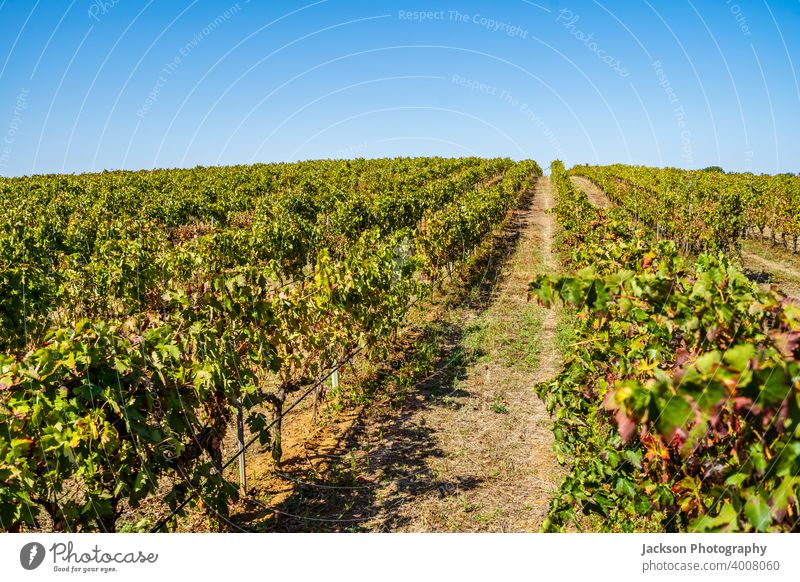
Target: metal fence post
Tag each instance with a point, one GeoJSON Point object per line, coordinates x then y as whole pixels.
{"type": "Point", "coordinates": [240, 445]}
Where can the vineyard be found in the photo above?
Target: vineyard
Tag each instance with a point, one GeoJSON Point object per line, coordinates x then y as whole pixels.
{"type": "Point", "coordinates": [679, 408]}
{"type": "Point", "coordinates": [141, 309]}
{"type": "Point", "coordinates": [148, 316]}
{"type": "Point", "coordinates": [705, 210]}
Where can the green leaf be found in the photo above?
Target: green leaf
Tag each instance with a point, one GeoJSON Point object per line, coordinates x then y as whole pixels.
{"type": "Point", "coordinates": [625, 487]}
{"type": "Point", "coordinates": [757, 512]}
{"type": "Point", "coordinates": [738, 357]}
{"type": "Point", "coordinates": [726, 521]}
{"type": "Point", "coordinates": [173, 351]}
{"type": "Point", "coordinates": [20, 446]}
{"type": "Point", "coordinates": [776, 386]}
{"type": "Point", "coordinates": [674, 414]}
{"type": "Point", "coordinates": [571, 291]}
{"type": "Point", "coordinates": [783, 494]}
{"type": "Point", "coordinates": [712, 394]}
{"type": "Point", "coordinates": [707, 363]}
{"type": "Point", "coordinates": [633, 457]}
{"type": "Point", "coordinates": [736, 479]}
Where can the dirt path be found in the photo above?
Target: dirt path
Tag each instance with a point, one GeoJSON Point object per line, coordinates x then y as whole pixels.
{"type": "Point", "coordinates": [595, 194]}
{"type": "Point", "coordinates": [496, 439]}
{"type": "Point", "coordinates": [772, 266]}
{"type": "Point", "coordinates": [468, 448]}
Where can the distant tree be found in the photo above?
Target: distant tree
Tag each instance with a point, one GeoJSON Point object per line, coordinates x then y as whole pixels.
{"type": "Point", "coordinates": [714, 169]}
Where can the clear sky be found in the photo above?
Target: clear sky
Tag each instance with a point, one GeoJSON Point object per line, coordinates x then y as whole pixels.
{"type": "Point", "coordinates": [87, 85]}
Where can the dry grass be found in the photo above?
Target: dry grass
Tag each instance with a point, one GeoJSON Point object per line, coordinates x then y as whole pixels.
{"type": "Point", "coordinates": [772, 265]}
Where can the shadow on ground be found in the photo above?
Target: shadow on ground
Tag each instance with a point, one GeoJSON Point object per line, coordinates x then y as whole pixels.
{"type": "Point", "coordinates": [760, 277]}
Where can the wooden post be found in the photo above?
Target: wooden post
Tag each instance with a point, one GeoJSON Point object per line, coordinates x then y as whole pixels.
{"type": "Point", "coordinates": [240, 446]}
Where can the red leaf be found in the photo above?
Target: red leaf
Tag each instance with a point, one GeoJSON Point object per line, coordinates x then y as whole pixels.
{"type": "Point", "coordinates": [626, 426]}
{"type": "Point", "coordinates": [786, 342]}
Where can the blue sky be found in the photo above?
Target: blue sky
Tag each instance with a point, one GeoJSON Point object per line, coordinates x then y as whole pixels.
{"type": "Point", "coordinates": [87, 85]}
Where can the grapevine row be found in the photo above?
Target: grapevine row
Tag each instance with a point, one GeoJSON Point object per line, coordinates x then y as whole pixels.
{"type": "Point", "coordinates": [700, 210]}
{"type": "Point", "coordinates": [679, 403]}
{"type": "Point", "coordinates": [705, 210]}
